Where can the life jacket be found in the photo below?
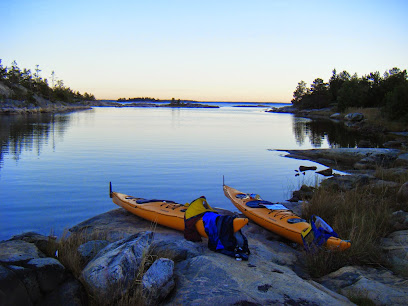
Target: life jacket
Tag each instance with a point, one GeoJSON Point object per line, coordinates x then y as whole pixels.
{"type": "Point", "coordinates": [221, 236]}
{"type": "Point", "coordinates": [195, 210]}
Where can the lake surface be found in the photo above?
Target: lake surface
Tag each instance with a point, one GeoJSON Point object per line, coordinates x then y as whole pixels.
{"type": "Point", "coordinates": [55, 169]}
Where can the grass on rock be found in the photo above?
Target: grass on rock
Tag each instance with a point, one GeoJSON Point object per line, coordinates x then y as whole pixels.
{"type": "Point", "coordinates": [359, 215]}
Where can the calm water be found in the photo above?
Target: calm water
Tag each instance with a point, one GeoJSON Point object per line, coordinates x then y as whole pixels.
{"type": "Point", "coordinates": [55, 169]}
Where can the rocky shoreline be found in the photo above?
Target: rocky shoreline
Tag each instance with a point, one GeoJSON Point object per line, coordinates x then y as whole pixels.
{"type": "Point", "coordinates": [11, 107]}
{"type": "Point", "coordinates": [181, 272]}
{"type": "Point", "coordinates": [19, 108]}
{"type": "Point", "coordinates": [354, 121]}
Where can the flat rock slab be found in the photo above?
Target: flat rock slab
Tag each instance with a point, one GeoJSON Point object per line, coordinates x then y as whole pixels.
{"type": "Point", "coordinates": [350, 152]}
{"type": "Point", "coordinates": [343, 158]}
{"type": "Point", "coordinates": [380, 286]}
{"type": "Point", "coordinates": [16, 251]}
{"type": "Point", "coordinates": [212, 280]}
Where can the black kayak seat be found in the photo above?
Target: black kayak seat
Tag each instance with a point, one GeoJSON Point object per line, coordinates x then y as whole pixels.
{"type": "Point", "coordinates": [258, 203]}
{"type": "Point", "coordinates": [295, 220]}
{"type": "Point", "coordinates": [144, 201]}
{"type": "Point", "coordinates": [241, 196]}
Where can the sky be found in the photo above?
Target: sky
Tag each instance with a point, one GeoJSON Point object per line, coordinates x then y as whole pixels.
{"type": "Point", "coordinates": [225, 50]}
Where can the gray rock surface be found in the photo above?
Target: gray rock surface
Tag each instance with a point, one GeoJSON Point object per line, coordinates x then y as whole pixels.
{"type": "Point", "coordinates": [49, 272]}
{"type": "Point", "coordinates": [112, 273]}
{"type": "Point", "coordinates": [69, 293]}
{"type": "Point", "coordinates": [346, 158]}
{"type": "Point", "coordinates": [45, 244]}
{"type": "Point", "coordinates": [380, 286]}
{"type": "Point", "coordinates": [88, 250]}
{"type": "Point", "coordinates": [347, 182]}
{"type": "Point", "coordinates": [12, 289]}
{"type": "Point", "coordinates": [17, 251]}
{"type": "Point", "coordinates": [210, 280]}
{"type": "Point", "coordinates": [158, 281]}
{"type": "Point", "coordinates": [285, 109]}
{"type": "Point", "coordinates": [175, 247]}
{"type": "Point", "coordinates": [274, 274]}
{"type": "Point", "coordinates": [29, 279]}
{"type": "Point", "coordinates": [115, 224]}
{"type": "Point", "coordinates": [396, 247]}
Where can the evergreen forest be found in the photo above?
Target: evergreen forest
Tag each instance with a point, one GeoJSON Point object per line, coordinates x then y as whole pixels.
{"type": "Point", "coordinates": [389, 92]}
{"type": "Point", "coordinates": [28, 85]}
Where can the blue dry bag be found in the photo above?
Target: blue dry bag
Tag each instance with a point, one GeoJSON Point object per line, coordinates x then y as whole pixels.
{"type": "Point", "coordinates": [318, 233]}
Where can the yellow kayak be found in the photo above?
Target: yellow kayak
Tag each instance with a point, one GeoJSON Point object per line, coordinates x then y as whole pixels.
{"type": "Point", "coordinates": [166, 213]}
{"type": "Point", "coordinates": [280, 220]}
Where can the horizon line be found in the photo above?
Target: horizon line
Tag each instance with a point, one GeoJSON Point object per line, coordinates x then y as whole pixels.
{"type": "Point", "coordinates": [209, 101]}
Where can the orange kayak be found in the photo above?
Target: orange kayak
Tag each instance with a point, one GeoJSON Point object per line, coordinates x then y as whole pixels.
{"type": "Point", "coordinates": [280, 221]}
{"type": "Point", "coordinates": [166, 213]}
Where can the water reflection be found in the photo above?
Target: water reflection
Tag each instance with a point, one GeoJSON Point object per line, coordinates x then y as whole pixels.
{"type": "Point", "coordinates": [337, 135]}
{"type": "Point", "coordinates": [66, 160]}
{"type": "Point", "coordinates": [19, 133]}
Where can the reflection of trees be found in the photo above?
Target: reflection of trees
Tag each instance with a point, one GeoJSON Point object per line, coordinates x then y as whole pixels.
{"type": "Point", "coordinates": [29, 132]}
{"type": "Point", "coordinates": [302, 129]}
{"type": "Point", "coordinates": [336, 133]}
{"type": "Point", "coordinates": [299, 129]}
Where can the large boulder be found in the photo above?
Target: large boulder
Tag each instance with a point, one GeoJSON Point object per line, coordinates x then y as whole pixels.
{"type": "Point", "coordinates": [69, 293]}
{"type": "Point", "coordinates": [112, 273]}
{"type": "Point", "coordinates": [396, 247]}
{"type": "Point", "coordinates": [28, 277]}
{"type": "Point", "coordinates": [46, 244]}
{"type": "Point", "coordinates": [49, 271]}
{"type": "Point", "coordinates": [17, 251]}
{"type": "Point", "coordinates": [12, 289]}
{"type": "Point", "coordinates": [158, 281]}
{"type": "Point", "coordinates": [304, 193]}
{"type": "Point", "coordinates": [379, 286]}
{"type": "Point", "coordinates": [37, 275]}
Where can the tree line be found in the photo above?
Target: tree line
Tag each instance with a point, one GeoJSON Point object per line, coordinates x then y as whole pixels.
{"type": "Point", "coordinates": [34, 84]}
{"type": "Point", "coordinates": [388, 92]}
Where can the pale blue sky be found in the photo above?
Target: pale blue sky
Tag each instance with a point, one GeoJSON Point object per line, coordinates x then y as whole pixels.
{"type": "Point", "coordinates": [203, 50]}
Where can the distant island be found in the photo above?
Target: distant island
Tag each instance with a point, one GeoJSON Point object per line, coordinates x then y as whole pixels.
{"type": "Point", "coordinates": [152, 102]}
{"type": "Point", "coordinates": [149, 99]}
